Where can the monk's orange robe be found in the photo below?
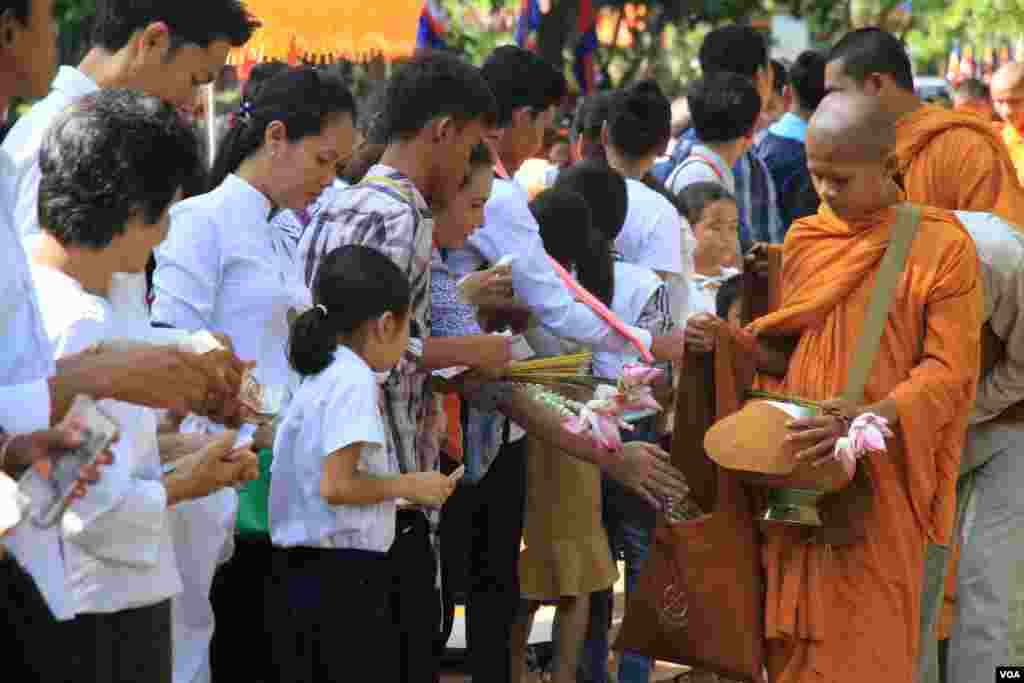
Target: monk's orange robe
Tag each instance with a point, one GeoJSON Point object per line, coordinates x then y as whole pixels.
{"type": "Point", "coordinates": [956, 161]}
{"type": "Point", "coordinates": [852, 613]}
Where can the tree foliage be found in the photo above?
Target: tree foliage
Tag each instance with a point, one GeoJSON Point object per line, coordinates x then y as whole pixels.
{"type": "Point", "coordinates": [74, 23]}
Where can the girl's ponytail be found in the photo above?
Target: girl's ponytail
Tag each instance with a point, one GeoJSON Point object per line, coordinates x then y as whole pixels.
{"type": "Point", "coordinates": [353, 285]}
{"type": "Point", "coordinates": [311, 343]}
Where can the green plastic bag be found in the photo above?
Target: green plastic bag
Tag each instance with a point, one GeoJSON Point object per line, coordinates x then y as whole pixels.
{"type": "Point", "coordinates": [253, 519]}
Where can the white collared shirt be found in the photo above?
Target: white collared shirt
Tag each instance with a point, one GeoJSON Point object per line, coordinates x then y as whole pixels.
{"type": "Point", "coordinates": [122, 556]}
{"type": "Point", "coordinates": [333, 410]}
{"type": "Point", "coordinates": [511, 230]}
{"type": "Point", "coordinates": [654, 236]}
{"type": "Point", "coordinates": [26, 363]}
{"type": "Point", "coordinates": [222, 269]}
{"type": "Point", "coordinates": [26, 137]}
{"type": "Point", "coordinates": [26, 360]}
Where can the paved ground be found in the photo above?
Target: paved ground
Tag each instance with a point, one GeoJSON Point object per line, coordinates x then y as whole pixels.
{"type": "Point", "coordinates": [664, 673]}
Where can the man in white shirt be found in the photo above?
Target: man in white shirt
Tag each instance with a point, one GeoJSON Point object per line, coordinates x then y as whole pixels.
{"type": "Point", "coordinates": [35, 393]}
{"type": "Point", "coordinates": [117, 541]}
{"type": "Point", "coordinates": [161, 47]}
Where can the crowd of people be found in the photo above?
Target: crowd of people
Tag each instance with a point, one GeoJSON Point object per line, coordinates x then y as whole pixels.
{"type": "Point", "coordinates": [327, 537]}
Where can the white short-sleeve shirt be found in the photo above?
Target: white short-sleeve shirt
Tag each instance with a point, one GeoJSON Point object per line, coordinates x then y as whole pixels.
{"type": "Point", "coordinates": [657, 237]}
{"type": "Point", "coordinates": [330, 411]}
{"type": "Point", "coordinates": [123, 558]}
{"type": "Point", "coordinates": [652, 234]}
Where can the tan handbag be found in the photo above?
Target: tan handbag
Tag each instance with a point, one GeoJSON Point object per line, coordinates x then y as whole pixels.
{"type": "Point", "coordinates": [700, 598]}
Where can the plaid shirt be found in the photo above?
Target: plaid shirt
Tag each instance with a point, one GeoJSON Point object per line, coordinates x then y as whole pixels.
{"type": "Point", "coordinates": [386, 212]}
{"type": "Point", "coordinates": [757, 201]}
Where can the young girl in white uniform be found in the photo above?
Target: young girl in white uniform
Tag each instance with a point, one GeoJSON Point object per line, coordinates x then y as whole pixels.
{"type": "Point", "coordinates": [224, 268]}
{"type": "Point", "coordinates": [336, 484]}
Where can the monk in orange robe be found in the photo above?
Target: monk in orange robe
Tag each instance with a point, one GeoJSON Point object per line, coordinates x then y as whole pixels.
{"type": "Point", "coordinates": [1008, 98]}
{"type": "Point", "coordinates": [852, 613]}
{"type": "Point", "coordinates": [949, 159]}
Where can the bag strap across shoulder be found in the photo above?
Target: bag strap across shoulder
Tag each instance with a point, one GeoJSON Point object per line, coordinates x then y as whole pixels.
{"type": "Point", "coordinates": [908, 217]}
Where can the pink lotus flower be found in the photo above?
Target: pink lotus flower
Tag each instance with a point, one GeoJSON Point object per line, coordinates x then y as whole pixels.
{"type": "Point", "coordinates": [604, 429]}
{"type": "Point", "coordinates": [867, 435]}
{"type": "Point", "coordinates": [638, 375]}
{"type": "Point", "coordinates": [641, 398]}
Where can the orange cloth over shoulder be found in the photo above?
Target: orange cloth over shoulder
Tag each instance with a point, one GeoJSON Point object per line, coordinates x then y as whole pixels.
{"type": "Point", "coordinates": [852, 613]}
{"type": "Point", "coordinates": [957, 161]}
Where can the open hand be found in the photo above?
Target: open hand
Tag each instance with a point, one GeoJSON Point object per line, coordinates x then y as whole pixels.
{"type": "Point", "coordinates": [645, 469]}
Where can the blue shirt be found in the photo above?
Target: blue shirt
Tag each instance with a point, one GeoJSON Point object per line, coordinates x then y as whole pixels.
{"type": "Point", "coordinates": [790, 126]}
{"type": "Point", "coordinates": [783, 152]}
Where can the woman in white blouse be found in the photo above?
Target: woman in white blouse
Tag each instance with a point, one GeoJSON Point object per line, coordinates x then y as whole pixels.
{"type": "Point", "coordinates": [224, 268]}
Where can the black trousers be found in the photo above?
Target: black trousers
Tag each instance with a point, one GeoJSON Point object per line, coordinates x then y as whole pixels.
{"type": "Point", "coordinates": [122, 647]}
{"type": "Point", "coordinates": [497, 530]}
{"type": "Point", "coordinates": [243, 598]}
{"type": "Point", "coordinates": [337, 622]}
{"type": "Point", "coordinates": [127, 646]}
{"type": "Point", "coordinates": [34, 648]}
{"type": "Point", "coordinates": [415, 600]}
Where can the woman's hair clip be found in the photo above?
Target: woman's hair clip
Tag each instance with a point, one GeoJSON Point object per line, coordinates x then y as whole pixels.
{"type": "Point", "coordinates": [245, 111]}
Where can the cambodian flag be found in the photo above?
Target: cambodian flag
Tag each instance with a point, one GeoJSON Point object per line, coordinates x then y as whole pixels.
{"type": "Point", "coordinates": [586, 46]}
{"type": "Point", "coordinates": [432, 27]}
{"type": "Point", "coordinates": [528, 23]}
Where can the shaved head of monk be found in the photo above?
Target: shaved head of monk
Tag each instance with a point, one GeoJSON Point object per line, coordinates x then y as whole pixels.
{"type": "Point", "coordinates": [850, 140]}
{"type": "Point", "coordinates": [1007, 88]}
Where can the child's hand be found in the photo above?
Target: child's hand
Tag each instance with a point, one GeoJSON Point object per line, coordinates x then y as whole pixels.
{"type": "Point", "coordinates": [430, 488]}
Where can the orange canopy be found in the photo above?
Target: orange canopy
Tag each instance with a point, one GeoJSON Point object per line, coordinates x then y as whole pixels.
{"type": "Point", "coordinates": [342, 28]}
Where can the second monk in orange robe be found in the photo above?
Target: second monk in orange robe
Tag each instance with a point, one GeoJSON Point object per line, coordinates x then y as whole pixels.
{"type": "Point", "coordinates": [949, 159]}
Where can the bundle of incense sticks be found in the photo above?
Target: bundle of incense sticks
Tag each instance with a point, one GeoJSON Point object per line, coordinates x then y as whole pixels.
{"type": "Point", "coordinates": [566, 370]}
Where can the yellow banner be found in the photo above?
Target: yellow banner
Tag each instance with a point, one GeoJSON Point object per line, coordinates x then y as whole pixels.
{"type": "Point", "coordinates": [342, 28]}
